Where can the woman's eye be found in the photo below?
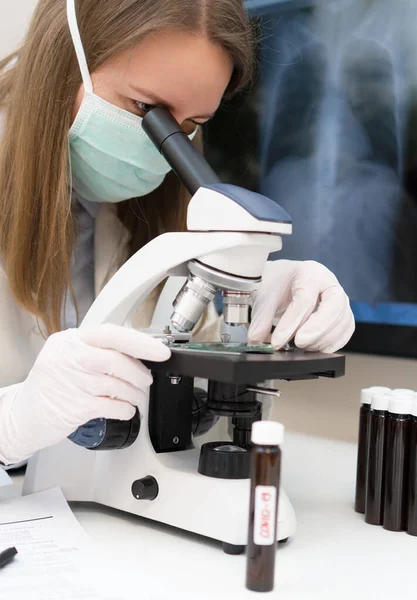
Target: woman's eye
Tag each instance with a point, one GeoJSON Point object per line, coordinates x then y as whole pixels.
{"type": "Point", "coordinates": [143, 107]}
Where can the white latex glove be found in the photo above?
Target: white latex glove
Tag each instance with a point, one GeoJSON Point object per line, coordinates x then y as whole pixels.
{"type": "Point", "coordinates": [305, 302]}
{"type": "Point", "coordinates": [80, 374]}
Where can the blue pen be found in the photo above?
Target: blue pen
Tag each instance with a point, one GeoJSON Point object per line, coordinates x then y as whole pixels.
{"type": "Point", "coordinates": [7, 556]}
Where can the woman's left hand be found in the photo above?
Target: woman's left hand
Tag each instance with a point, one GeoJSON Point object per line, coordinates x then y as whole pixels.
{"type": "Point", "coordinates": [304, 301]}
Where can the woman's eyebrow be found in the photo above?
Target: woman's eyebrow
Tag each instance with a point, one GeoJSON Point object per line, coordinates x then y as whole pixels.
{"type": "Point", "coordinates": [158, 100]}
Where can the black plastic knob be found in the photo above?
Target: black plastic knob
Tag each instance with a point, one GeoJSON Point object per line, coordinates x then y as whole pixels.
{"type": "Point", "coordinates": [224, 460]}
{"type": "Point", "coordinates": [203, 419]}
{"type": "Point", "coordinates": [145, 489]}
{"type": "Point", "coordinates": [120, 434]}
{"type": "Point", "coordinates": [107, 434]}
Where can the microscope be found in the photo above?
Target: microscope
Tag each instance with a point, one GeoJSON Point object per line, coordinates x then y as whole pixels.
{"type": "Point", "coordinates": [154, 465]}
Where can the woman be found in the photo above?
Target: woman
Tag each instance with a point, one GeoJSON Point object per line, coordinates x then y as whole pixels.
{"type": "Point", "coordinates": [82, 188]}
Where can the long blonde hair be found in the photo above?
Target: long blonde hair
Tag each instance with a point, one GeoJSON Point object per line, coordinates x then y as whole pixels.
{"type": "Point", "coordinates": [37, 226]}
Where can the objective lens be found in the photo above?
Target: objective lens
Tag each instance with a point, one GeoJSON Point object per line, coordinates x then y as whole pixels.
{"type": "Point", "coordinates": [191, 303]}
{"type": "Point", "coordinates": [236, 308]}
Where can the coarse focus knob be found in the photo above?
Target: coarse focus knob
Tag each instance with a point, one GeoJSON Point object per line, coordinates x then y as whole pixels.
{"type": "Point", "coordinates": [146, 488]}
{"type": "Point", "coordinates": [107, 434]}
{"type": "Point", "coordinates": [224, 460]}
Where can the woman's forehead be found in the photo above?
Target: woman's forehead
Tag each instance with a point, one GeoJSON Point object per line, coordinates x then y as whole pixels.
{"type": "Point", "coordinates": [178, 67]}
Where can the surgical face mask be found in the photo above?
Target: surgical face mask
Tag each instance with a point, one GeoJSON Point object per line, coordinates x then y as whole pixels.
{"type": "Point", "coordinates": [112, 158]}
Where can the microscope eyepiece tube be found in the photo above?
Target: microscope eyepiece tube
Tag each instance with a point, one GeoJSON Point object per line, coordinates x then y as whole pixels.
{"type": "Point", "coordinates": [174, 145]}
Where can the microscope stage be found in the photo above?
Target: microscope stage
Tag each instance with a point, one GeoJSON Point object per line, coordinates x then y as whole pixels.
{"type": "Point", "coordinates": [234, 367]}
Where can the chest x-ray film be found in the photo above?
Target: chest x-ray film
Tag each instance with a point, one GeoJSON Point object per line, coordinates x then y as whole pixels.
{"type": "Point", "coordinates": [335, 107]}
{"type": "Point", "coordinates": [337, 95]}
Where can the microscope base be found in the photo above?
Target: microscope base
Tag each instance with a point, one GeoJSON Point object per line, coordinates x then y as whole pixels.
{"type": "Point", "coordinates": [217, 509]}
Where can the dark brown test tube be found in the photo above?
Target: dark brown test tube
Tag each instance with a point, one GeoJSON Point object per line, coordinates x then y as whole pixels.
{"type": "Point", "coordinates": [363, 438]}
{"type": "Point", "coordinates": [397, 460]}
{"type": "Point", "coordinates": [267, 436]}
{"type": "Point", "coordinates": [412, 481]}
{"type": "Point", "coordinates": [374, 500]}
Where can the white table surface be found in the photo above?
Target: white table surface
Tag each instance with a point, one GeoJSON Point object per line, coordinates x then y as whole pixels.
{"type": "Point", "coordinates": [334, 554]}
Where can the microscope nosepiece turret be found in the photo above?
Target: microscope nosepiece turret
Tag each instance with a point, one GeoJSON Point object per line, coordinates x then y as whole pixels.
{"type": "Point", "coordinates": [199, 290]}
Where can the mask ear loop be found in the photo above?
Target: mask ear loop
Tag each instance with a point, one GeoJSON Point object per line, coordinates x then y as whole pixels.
{"type": "Point", "coordinates": [79, 50]}
{"type": "Point", "coordinates": [85, 73]}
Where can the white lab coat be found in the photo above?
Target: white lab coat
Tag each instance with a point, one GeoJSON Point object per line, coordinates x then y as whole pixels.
{"type": "Point", "coordinates": [20, 337]}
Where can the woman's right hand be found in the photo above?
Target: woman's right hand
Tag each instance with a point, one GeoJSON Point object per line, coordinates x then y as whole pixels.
{"type": "Point", "coordinates": [80, 374]}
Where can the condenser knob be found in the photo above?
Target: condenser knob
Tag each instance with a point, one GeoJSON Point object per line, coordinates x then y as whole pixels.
{"type": "Point", "coordinates": [224, 460]}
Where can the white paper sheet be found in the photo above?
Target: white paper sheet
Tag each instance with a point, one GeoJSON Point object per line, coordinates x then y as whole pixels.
{"type": "Point", "coordinates": [54, 552]}
{"type": "Point", "coordinates": [4, 478]}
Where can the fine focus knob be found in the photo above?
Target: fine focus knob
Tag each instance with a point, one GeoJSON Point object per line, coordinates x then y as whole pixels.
{"type": "Point", "coordinates": [224, 460]}
{"type": "Point", "coordinates": [145, 489]}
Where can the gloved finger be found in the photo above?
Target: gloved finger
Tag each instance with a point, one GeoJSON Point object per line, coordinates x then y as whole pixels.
{"type": "Point", "coordinates": [109, 387]}
{"type": "Point", "coordinates": [337, 338]}
{"type": "Point", "coordinates": [333, 305]}
{"type": "Point", "coordinates": [334, 337]}
{"type": "Point", "coordinates": [113, 409]}
{"type": "Point", "coordinates": [343, 340]}
{"type": "Point", "coordinates": [125, 340]}
{"type": "Point", "coordinates": [110, 362]}
{"type": "Point", "coordinates": [301, 307]}
{"type": "Point", "coordinates": [263, 315]}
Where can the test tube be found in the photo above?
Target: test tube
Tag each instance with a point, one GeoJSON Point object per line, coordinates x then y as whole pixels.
{"type": "Point", "coordinates": [374, 495]}
{"type": "Point", "coordinates": [267, 437]}
{"type": "Point", "coordinates": [396, 463]}
{"type": "Point", "coordinates": [412, 480]}
{"type": "Point", "coordinates": [364, 420]}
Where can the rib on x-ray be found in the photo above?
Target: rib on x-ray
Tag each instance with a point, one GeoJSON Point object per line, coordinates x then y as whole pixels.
{"type": "Point", "coordinates": [335, 101]}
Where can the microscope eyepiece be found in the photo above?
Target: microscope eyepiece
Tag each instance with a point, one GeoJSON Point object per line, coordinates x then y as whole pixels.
{"type": "Point", "coordinates": [173, 143]}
